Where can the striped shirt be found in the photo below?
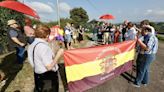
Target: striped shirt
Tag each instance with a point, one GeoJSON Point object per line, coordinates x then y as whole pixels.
{"type": "Point", "coordinates": [151, 42]}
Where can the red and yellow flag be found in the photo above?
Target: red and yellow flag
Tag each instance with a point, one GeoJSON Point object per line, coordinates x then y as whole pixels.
{"type": "Point", "coordinates": [89, 67]}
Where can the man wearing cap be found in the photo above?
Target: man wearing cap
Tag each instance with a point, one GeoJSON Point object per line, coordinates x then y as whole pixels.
{"type": "Point", "coordinates": [16, 40]}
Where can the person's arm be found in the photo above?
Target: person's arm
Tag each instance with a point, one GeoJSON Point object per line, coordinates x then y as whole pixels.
{"type": "Point", "coordinates": [46, 55]}
{"type": "Point", "coordinates": [149, 45]}
{"type": "Point", "coordinates": [78, 30]}
{"type": "Point", "coordinates": [55, 60]}
{"type": "Point", "coordinates": [13, 34]}
{"type": "Point", "coordinates": [139, 30]}
{"type": "Point", "coordinates": [17, 41]}
{"type": "Point", "coordinates": [143, 46]}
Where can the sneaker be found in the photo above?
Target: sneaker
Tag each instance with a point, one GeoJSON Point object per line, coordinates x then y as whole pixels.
{"type": "Point", "coordinates": [145, 85]}
{"type": "Point", "coordinates": [135, 85]}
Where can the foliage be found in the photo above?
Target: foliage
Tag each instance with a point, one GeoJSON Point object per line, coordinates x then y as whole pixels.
{"type": "Point", "coordinates": [50, 24]}
{"type": "Point", "coordinates": [35, 21]}
{"type": "Point", "coordinates": [63, 22]}
{"type": "Point", "coordinates": [161, 27]}
{"type": "Point", "coordinates": [79, 16]}
{"type": "Point", "coordinates": [160, 37]}
{"type": "Point", "coordinates": [5, 15]}
{"type": "Point", "coordinates": [155, 26]}
{"type": "Point", "coordinates": [93, 21]}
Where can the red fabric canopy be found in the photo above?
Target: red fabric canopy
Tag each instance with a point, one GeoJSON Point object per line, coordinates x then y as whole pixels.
{"type": "Point", "coordinates": [107, 17]}
{"type": "Point", "coordinates": [20, 7]}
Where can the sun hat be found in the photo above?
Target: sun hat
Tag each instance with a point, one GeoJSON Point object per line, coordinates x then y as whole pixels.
{"type": "Point", "coordinates": [10, 22]}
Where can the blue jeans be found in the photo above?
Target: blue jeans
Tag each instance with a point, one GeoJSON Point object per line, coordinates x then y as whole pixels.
{"type": "Point", "coordinates": [94, 37]}
{"type": "Point", "coordinates": [20, 52]}
{"type": "Point", "coordinates": [143, 64]}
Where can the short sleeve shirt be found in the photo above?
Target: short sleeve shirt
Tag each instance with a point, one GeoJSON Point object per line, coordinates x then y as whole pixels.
{"type": "Point", "coordinates": [13, 33]}
{"type": "Point", "coordinates": [43, 56]}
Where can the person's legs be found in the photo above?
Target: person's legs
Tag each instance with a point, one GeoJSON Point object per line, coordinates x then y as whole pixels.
{"type": "Point", "coordinates": [20, 51]}
{"type": "Point", "coordinates": [105, 38]}
{"type": "Point", "coordinates": [143, 73]}
{"type": "Point", "coordinates": [110, 39]}
{"type": "Point", "coordinates": [46, 82]}
{"type": "Point", "coordinates": [38, 82]}
{"type": "Point", "coordinates": [51, 82]}
{"type": "Point", "coordinates": [146, 77]}
{"type": "Point", "coordinates": [140, 69]}
{"type": "Point", "coordinates": [94, 37]}
{"type": "Point", "coordinates": [150, 59]}
{"type": "Point", "coordinates": [55, 82]}
{"type": "Point", "coordinates": [67, 40]}
{"type": "Point", "coordinates": [138, 62]}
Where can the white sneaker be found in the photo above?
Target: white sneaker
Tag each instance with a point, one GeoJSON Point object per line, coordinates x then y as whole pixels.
{"type": "Point", "coordinates": [135, 85]}
{"type": "Point", "coordinates": [145, 85]}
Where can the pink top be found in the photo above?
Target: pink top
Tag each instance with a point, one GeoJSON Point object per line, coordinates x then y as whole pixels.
{"type": "Point", "coordinates": [28, 31]}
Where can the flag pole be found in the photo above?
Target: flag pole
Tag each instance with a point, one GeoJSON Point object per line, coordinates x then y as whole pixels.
{"type": "Point", "coordinates": [58, 16]}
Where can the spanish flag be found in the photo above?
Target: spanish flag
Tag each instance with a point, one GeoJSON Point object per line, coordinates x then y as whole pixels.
{"type": "Point", "coordinates": [89, 67]}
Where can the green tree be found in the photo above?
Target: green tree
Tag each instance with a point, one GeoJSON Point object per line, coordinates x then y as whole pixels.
{"type": "Point", "coordinates": [157, 28]}
{"type": "Point", "coordinates": [35, 21]}
{"type": "Point", "coordinates": [93, 21]}
{"type": "Point", "coordinates": [53, 23]}
{"type": "Point", "coordinates": [161, 26]}
{"type": "Point", "coordinates": [5, 15]}
{"type": "Point", "coordinates": [63, 22]}
{"type": "Point", "coordinates": [79, 16]}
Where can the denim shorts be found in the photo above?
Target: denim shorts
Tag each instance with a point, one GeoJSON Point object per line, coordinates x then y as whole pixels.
{"type": "Point", "coordinates": [68, 38]}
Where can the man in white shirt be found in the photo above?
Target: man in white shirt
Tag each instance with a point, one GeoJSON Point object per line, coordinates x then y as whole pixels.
{"type": "Point", "coordinates": [131, 32]}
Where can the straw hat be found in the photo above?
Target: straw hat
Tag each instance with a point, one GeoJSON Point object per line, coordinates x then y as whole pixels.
{"type": "Point", "coordinates": [10, 22]}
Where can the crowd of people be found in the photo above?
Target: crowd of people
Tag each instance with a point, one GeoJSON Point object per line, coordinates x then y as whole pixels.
{"type": "Point", "coordinates": [44, 59]}
{"type": "Point", "coordinates": [147, 43]}
{"type": "Point", "coordinates": [107, 33]}
{"type": "Point", "coordinates": [67, 36]}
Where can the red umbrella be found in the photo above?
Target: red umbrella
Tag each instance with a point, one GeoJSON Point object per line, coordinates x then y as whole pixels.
{"type": "Point", "coordinates": [107, 17]}
{"type": "Point", "coordinates": [20, 7]}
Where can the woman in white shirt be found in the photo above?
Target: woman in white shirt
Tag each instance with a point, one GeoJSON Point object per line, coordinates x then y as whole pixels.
{"type": "Point", "coordinates": [44, 62]}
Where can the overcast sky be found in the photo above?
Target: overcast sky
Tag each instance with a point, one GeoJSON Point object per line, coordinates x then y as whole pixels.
{"type": "Point", "coordinates": [132, 10]}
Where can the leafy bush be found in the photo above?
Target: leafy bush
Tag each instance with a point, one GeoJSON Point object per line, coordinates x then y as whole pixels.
{"type": "Point", "coordinates": [160, 37]}
{"type": "Point", "coordinates": [5, 15]}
